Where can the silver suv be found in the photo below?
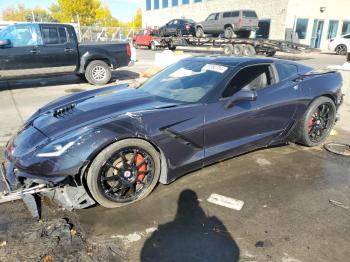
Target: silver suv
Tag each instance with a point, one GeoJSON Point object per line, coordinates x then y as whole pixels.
{"type": "Point", "coordinates": [239, 22]}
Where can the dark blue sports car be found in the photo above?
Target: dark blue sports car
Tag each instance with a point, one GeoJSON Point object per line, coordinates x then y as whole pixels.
{"type": "Point", "coordinates": [113, 145]}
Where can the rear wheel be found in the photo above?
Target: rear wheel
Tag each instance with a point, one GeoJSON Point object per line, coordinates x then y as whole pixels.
{"type": "Point", "coordinates": [341, 49]}
{"type": "Point", "coordinates": [237, 50]}
{"type": "Point", "coordinates": [249, 50]}
{"type": "Point", "coordinates": [123, 173]}
{"type": "Point", "coordinates": [228, 49]}
{"type": "Point", "coordinates": [199, 32]}
{"type": "Point", "coordinates": [178, 33]}
{"type": "Point", "coordinates": [228, 32]}
{"type": "Point", "coordinates": [153, 46]}
{"type": "Point", "coordinates": [98, 72]}
{"type": "Point", "coordinates": [317, 122]}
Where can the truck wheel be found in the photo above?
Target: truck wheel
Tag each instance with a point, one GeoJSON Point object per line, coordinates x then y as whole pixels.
{"type": "Point", "coordinates": [341, 49]}
{"type": "Point", "coordinates": [178, 33]}
{"type": "Point", "coordinates": [199, 32]}
{"type": "Point", "coordinates": [237, 50]}
{"type": "Point", "coordinates": [228, 32]}
{"type": "Point", "coordinates": [153, 46]}
{"type": "Point", "coordinates": [228, 49]}
{"type": "Point", "coordinates": [271, 53]}
{"type": "Point", "coordinates": [317, 122]}
{"type": "Point", "coordinates": [172, 47]}
{"type": "Point", "coordinates": [98, 73]}
{"type": "Point", "coordinates": [243, 34]}
{"type": "Point", "coordinates": [249, 50]}
{"type": "Point", "coordinates": [123, 173]}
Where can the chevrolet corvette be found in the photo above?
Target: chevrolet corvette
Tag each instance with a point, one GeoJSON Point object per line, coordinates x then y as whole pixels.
{"type": "Point", "coordinates": [112, 145]}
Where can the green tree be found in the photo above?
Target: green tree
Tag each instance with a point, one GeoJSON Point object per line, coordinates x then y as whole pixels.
{"type": "Point", "coordinates": [68, 10]}
{"type": "Point", "coordinates": [21, 13]}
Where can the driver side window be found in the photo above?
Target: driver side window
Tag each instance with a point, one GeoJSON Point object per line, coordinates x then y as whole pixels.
{"type": "Point", "coordinates": [22, 35]}
{"type": "Point", "coordinates": [211, 17]}
{"type": "Point", "coordinates": [250, 78]}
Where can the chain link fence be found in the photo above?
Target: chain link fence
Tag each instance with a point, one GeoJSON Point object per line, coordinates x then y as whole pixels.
{"type": "Point", "coordinates": [105, 34]}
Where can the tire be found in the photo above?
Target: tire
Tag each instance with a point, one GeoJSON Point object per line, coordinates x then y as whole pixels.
{"type": "Point", "coordinates": [271, 53]}
{"type": "Point", "coordinates": [249, 50]}
{"type": "Point", "coordinates": [228, 50]}
{"type": "Point", "coordinates": [172, 47]}
{"type": "Point", "coordinates": [153, 46]}
{"type": "Point", "coordinates": [199, 32]}
{"type": "Point", "coordinates": [178, 33]}
{"type": "Point", "coordinates": [94, 175]}
{"type": "Point", "coordinates": [98, 72]}
{"type": "Point", "coordinates": [237, 50]}
{"type": "Point", "coordinates": [243, 34]}
{"type": "Point", "coordinates": [228, 32]}
{"type": "Point", "coordinates": [341, 49]}
{"type": "Point", "coordinates": [306, 125]}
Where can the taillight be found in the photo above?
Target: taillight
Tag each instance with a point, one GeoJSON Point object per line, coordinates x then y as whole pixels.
{"type": "Point", "coordinates": [188, 27]}
{"type": "Point", "coordinates": [240, 21]}
{"type": "Point", "coordinates": [128, 49]}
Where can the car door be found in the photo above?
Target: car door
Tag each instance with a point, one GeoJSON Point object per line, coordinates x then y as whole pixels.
{"type": "Point", "coordinates": [19, 58]}
{"type": "Point", "coordinates": [208, 24]}
{"type": "Point", "coordinates": [59, 52]}
{"type": "Point", "coordinates": [236, 126]}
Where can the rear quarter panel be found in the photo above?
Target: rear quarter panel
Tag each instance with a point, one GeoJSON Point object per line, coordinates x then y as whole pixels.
{"type": "Point", "coordinates": [312, 87]}
{"type": "Point", "coordinates": [115, 53]}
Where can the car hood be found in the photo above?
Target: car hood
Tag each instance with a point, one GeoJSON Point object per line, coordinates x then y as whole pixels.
{"type": "Point", "coordinates": [89, 107]}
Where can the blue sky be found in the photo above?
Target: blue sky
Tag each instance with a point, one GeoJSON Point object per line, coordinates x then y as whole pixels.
{"type": "Point", "coordinates": [121, 9]}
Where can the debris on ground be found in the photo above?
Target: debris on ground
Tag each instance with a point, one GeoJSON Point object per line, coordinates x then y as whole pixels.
{"type": "Point", "coordinates": [55, 240]}
{"type": "Point", "coordinates": [338, 148]}
{"type": "Point", "coordinates": [226, 201]}
{"type": "Point", "coordinates": [338, 204]}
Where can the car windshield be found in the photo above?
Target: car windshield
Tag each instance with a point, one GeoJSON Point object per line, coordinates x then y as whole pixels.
{"type": "Point", "coordinates": [187, 81]}
{"type": "Point", "coordinates": [190, 21]}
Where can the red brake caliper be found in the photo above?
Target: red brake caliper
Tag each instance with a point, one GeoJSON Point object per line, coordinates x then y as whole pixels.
{"type": "Point", "coordinates": [142, 169]}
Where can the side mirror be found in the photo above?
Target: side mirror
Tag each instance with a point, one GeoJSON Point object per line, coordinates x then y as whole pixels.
{"type": "Point", "coordinates": [5, 42]}
{"type": "Point", "coordinates": [243, 95]}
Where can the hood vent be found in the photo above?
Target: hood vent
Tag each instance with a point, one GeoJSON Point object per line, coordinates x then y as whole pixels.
{"type": "Point", "coordinates": [64, 111]}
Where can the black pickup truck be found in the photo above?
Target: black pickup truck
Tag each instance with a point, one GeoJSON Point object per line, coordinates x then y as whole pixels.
{"type": "Point", "coordinates": [43, 49]}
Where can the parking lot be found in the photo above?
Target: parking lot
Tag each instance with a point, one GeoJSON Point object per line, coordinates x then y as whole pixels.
{"type": "Point", "coordinates": [287, 191]}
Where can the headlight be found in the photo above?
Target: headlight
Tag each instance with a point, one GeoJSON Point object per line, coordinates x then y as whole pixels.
{"type": "Point", "coordinates": [61, 145]}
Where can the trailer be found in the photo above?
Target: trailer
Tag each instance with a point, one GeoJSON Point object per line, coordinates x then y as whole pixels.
{"type": "Point", "coordinates": [234, 46]}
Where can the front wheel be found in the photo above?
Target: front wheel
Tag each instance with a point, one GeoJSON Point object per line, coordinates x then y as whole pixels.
{"type": "Point", "coordinates": [98, 72]}
{"type": "Point", "coordinates": [317, 122]}
{"type": "Point", "coordinates": [341, 49]}
{"type": "Point", "coordinates": [228, 32]}
{"type": "Point", "coordinates": [199, 32]}
{"type": "Point", "coordinates": [123, 173]}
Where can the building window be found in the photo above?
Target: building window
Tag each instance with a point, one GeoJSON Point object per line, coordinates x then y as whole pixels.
{"type": "Point", "coordinates": [346, 28]}
{"type": "Point", "coordinates": [175, 2]}
{"type": "Point", "coordinates": [185, 2]}
{"type": "Point", "coordinates": [148, 5]}
{"type": "Point", "coordinates": [301, 27]}
{"type": "Point", "coordinates": [165, 3]}
{"type": "Point", "coordinates": [332, 29]}
{"type": "Point", "coordinates": [156, 4]}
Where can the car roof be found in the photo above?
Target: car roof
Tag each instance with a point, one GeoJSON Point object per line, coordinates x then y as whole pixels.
{"type": "Point", "coordinates": [40, 23]}
{"type": "Point", "coordinates": [234, 61]}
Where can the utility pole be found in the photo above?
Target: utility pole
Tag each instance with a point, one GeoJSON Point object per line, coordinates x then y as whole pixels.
{"type": "Point", "coordinates": [33, 16]}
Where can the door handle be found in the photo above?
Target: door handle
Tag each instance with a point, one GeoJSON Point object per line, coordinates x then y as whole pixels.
{"type": "Point", "coordinates": [34, 51]}
{"type": "Point", "coordinates": [68, 50]}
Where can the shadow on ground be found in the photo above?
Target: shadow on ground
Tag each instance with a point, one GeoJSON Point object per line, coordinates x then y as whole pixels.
{"type": "Point", "coordinates": [192, 236]}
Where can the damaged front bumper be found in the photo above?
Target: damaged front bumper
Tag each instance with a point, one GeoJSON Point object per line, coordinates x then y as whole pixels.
{"type": "Point", "coordinates": [67, 195]}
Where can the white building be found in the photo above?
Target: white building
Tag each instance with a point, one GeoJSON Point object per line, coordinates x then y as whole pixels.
{"type": "Point", "coordinates": [315, 21]}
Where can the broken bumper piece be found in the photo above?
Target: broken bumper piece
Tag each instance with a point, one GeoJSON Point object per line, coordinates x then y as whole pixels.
{"type": "Point", "coordinates": [66, 196]}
